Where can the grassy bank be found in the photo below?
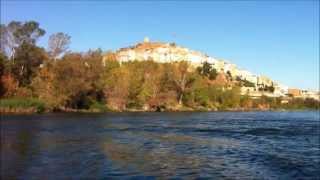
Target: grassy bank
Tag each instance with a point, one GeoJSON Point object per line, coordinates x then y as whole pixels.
{"type": "Point", "coordinates": [33, 105]}
{"type": "Point", "coordinates": [22, 105]}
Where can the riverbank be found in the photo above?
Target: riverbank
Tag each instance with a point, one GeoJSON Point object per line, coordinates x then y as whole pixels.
{"type": "Point", "coordinates": [32, 106]}
{"type": "Point", "coordinates": [32, 110]}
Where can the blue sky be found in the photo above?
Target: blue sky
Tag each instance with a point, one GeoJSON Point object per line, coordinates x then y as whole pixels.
{"type": "Point", "coordinates": [276, 39]}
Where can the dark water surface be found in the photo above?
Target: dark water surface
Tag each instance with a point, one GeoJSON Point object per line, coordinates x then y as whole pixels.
{"type": "Point", "coordinates": [222, 145]}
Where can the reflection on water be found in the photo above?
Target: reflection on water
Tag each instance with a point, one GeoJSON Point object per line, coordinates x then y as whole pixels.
{"type": "Point", "coordinates": [155, 161]}
{"type": "Point", "coordinates": [268, 145]}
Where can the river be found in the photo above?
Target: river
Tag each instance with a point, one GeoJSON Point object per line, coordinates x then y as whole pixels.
{"type": "Point", "coordinates": [186, 145]}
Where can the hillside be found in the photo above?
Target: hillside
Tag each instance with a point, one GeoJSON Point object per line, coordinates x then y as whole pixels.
{"type": "Point", "coordinates": [171, 52]}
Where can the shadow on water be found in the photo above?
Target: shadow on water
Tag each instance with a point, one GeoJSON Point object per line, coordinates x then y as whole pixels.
{"type": "Point", "coordinates": [16, 150]}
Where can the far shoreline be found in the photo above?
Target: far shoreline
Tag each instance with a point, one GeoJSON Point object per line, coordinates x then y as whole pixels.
{"type": "Point", "coordinates": [85, 111]}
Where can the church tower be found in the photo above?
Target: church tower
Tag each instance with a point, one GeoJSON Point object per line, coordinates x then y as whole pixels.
{"type": "Point", "coordinates": [146, 40]}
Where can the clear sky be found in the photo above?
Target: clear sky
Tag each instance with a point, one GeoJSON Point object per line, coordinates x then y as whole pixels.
{"type": "Point", "coordinates": [279, 39]}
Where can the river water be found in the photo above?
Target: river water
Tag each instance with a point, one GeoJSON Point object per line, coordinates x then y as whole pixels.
{"type": "Point", "coordinates": [218, 145]}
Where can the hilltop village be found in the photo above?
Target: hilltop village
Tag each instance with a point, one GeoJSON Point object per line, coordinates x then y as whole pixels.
{"type": "Point", "coordinates": [255, 86]}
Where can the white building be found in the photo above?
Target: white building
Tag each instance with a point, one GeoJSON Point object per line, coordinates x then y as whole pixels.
{"type": "Point", "coordinates": [170, 52]}
{"type": "Point", "coordinates": [310, 94]}
{"type": "Point", "coordinates": [161, 52]}
{"type": "Point", "coordinates": [280, 90]}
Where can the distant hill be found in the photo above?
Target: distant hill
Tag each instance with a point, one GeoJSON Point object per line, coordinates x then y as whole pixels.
{"type": "Point", "coordinates": [170, 52]}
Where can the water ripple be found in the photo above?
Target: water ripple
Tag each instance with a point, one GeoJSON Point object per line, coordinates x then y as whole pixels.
{"type": "Point", "coordinates": [224, 145]}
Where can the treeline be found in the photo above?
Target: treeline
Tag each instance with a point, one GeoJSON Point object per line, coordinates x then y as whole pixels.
{"type": "Point", "coordinates": [56, 79]}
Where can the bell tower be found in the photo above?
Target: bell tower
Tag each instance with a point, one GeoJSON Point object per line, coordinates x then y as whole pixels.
{"type": "Point", "coordinates": [146, 40]}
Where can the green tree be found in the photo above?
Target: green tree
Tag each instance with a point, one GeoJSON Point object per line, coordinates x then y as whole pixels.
{"type": "Point", "coordinates": [72, 82]}
{"type": "Point", "coordinates": [136, 70]}
{"type": "Point", "coordinates": [117, 88]}
{"type": "Point", "coordinates": [197, 94]}
{"type": "Point", "coordinates": [206, 68]}
{"type": "Point", "coordinates": [3, 39]}
{"type": "Point", "coordinates": [247, 83]}
{"type": "Point", "coordinates": [182, 78]}
{"type": "Point", "coordinates": [27, 61]}
{"type": "Point", "coordinates": [151, 87]}
{"type": "Point", "coordinates": [213, 74]}
{"type": "Point", "coordinates": [29, 32]}
{"type": "Point", "coordinates": [3, 60]}
{"type": "Point", "coordinates": [17, 33]}
{"type": "Point", "coordinates": [8, 39]}
{"type": "Point", "coordinates": [230, 98]}
{"type": "Point", "coordinates": [229, 75]}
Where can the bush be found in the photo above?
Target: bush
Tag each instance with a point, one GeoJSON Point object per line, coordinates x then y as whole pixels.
{"type": "Point", "coordinates": [15, 103]}
{"type": "Point", "coordinates": [98, 106]}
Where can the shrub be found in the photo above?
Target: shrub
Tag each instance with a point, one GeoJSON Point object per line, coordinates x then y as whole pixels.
{"type": "Point", "coordinates": [14, 103]}
{"type": "Point", "coordinates": [98, 106]}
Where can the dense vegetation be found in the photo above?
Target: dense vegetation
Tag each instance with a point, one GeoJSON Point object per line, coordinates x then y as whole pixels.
{"type": "Point", "coordinates": [56, 79]}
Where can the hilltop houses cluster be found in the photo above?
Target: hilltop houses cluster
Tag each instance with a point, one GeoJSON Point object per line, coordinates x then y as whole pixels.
{"type": "Point", "coordinates": [170, 52]}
